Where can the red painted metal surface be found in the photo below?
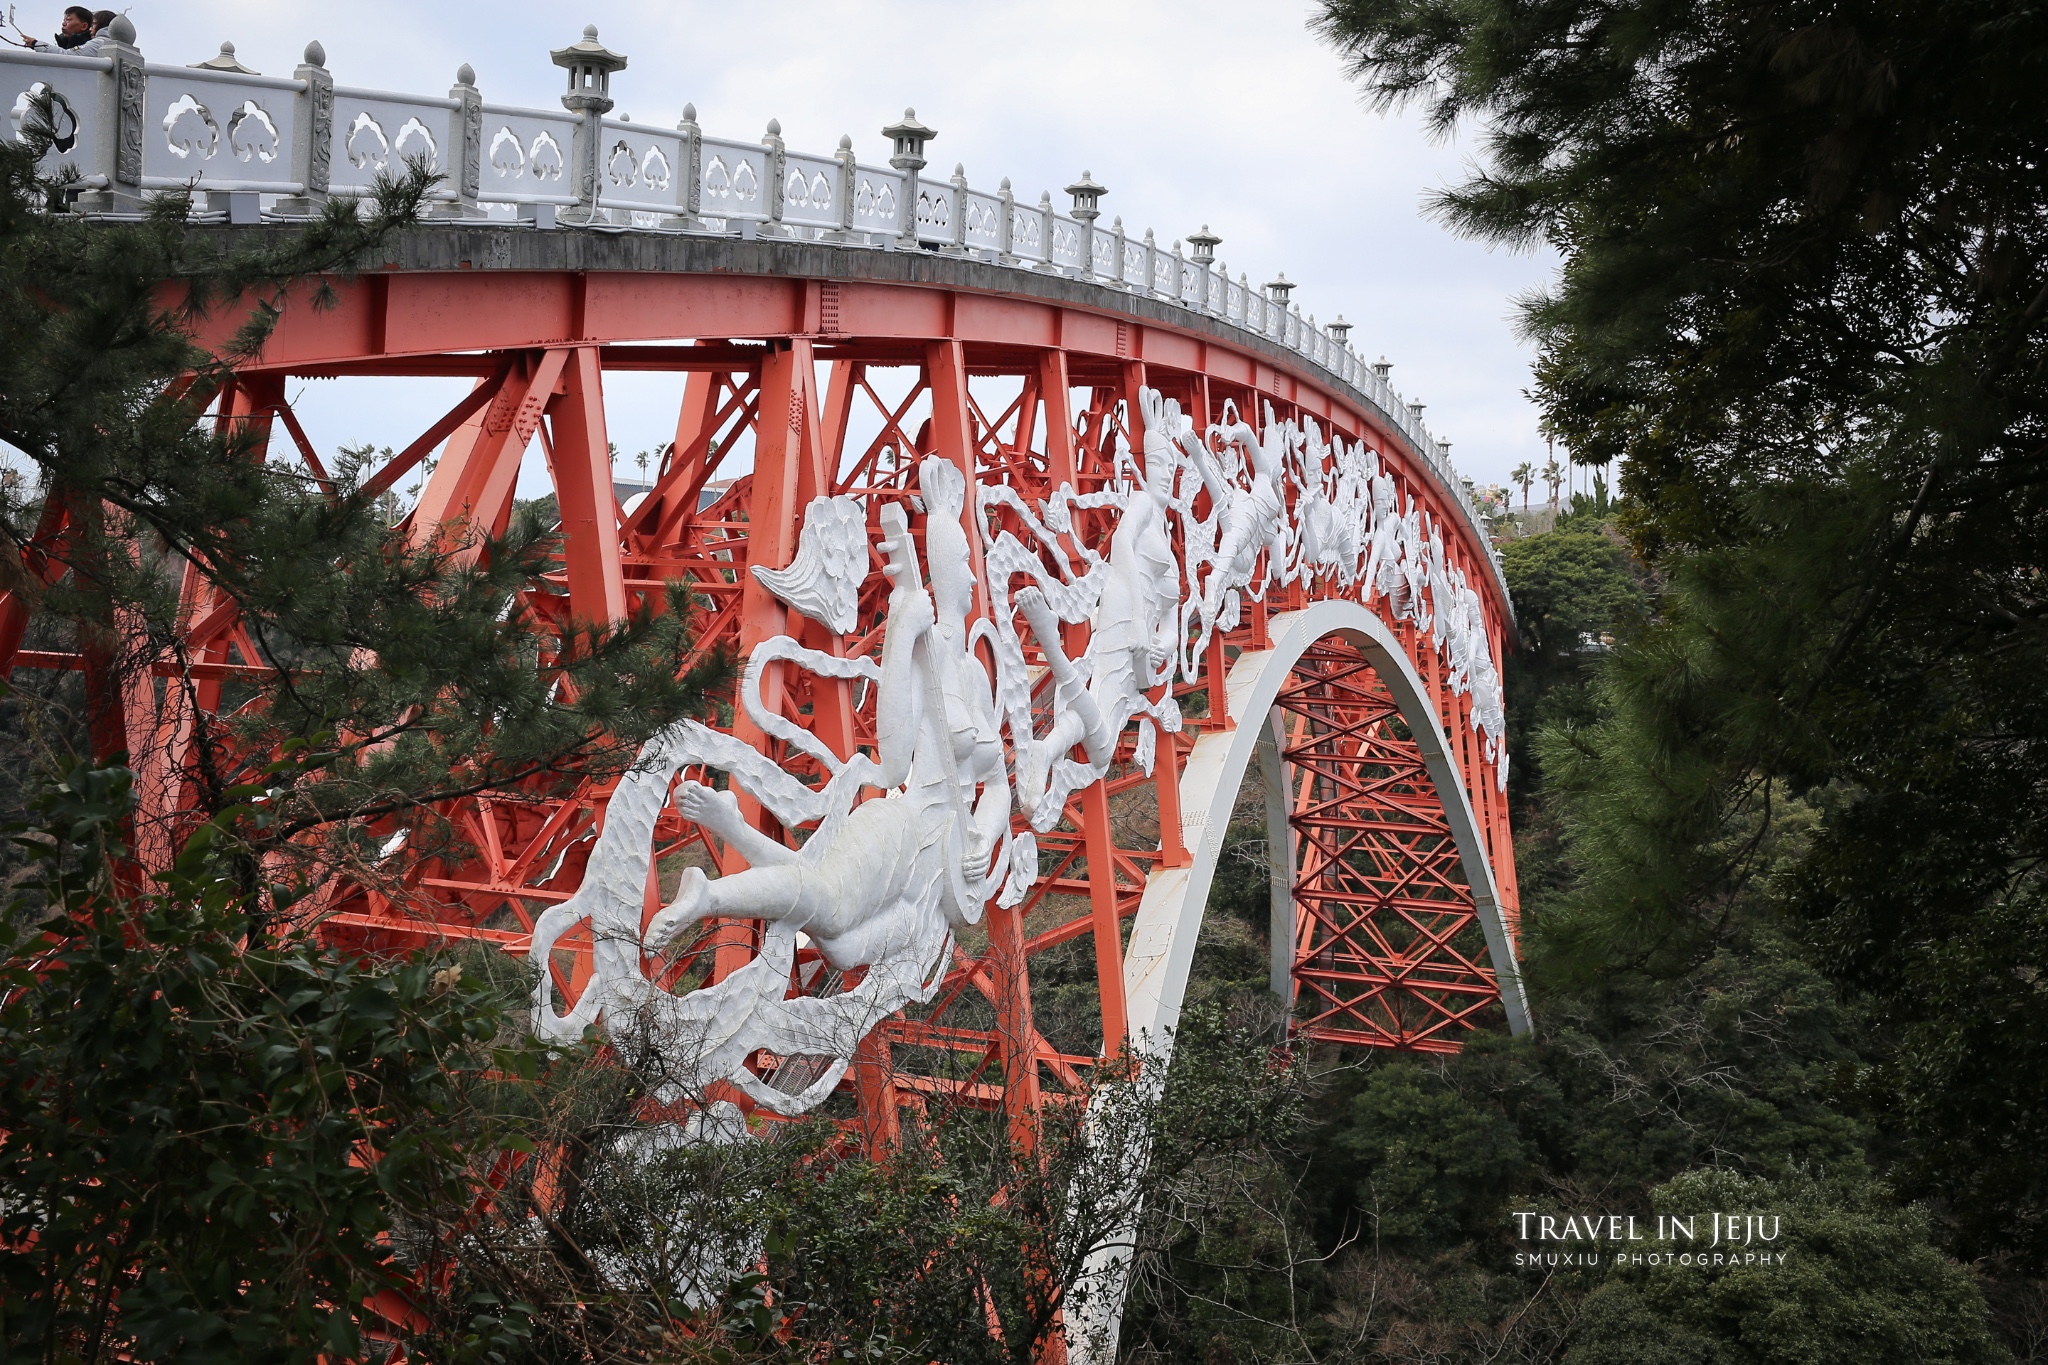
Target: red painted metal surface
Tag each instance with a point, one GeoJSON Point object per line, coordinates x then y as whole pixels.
{"type": "Point", "coordinates": [1388, 948]}
{"type": "Point", "coordinates": [800, 387]}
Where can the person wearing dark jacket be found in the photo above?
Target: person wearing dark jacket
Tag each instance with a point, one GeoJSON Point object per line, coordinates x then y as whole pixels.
{"type": "Point", "coordinates": [77, 30]}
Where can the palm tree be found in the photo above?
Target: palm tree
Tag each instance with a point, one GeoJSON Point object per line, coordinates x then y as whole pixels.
{"type": "Point", "coordinates": [1553, 475]}
{"type": "Point", "coordinates": [1523, 474]}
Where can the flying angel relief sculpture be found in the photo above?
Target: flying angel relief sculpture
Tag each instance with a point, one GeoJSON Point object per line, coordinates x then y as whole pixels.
{"type": "Point", "coordinates": [1247, 518]}
{"type": "Point", "coordinates": [1335, 507]}
{"type": "Point", "coordinates": [1131, 602]}
{"type": "Point", "coordinates": [879, 885]}
{"type": "Point", "coordinates": [908, 845]}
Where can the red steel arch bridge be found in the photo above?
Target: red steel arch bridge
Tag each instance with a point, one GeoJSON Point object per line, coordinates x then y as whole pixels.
{"type": "Point", "coordinates": [1034, 538]}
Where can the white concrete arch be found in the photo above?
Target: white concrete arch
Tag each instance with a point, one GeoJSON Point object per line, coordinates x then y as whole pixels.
{"type": "Point", "coordinates": [1169, 919]}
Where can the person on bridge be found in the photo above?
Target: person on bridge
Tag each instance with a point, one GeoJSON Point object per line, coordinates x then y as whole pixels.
{"type": "Point", "coordinates": [75, 32]}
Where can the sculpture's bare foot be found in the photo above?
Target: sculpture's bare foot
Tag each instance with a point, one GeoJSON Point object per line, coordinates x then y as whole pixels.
{"type": "Point", "coordinates": [717, 811]}
{"type": "Point", "coordinates": [692, 902]}
{"type": "Point", "coordinates": [1031, 774]}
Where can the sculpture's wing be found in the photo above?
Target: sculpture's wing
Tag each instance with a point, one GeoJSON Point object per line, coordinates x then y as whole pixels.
{"type": "Point", "coordinates": [824, 580]}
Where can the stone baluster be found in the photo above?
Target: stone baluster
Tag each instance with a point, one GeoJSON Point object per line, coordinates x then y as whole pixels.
{"type": "Point", "coordinates": [690, 177]}
{"type": "Point", "coordinates": [468, 152]}
{"type": "Point", "coordinates": [775, 168]}
{"type": "Point", "coordinates": [1151, 264]}
{"type": "Point", "coordinates": [1116, 272]}
{"type": "Point", "coordinates": [312, 136]}
{"type": "Point", "coordinates": [959, 183]}
{"type": "Point", "coordinates": [1006, 230]}
{"type": "Point", "coordinates": [847, 171]}
{"type": "Point", "coordinates": [1183, 283]}
{"type": "Point", "coordinates": [123, 96]}
{"type": "Point", "coordinates": [1045, 217]}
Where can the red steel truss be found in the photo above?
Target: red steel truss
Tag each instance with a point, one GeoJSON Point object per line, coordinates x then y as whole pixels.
{"type": "Point", "coordinates": [794, 387]}
{"type": "Point", "coordinates": [1388, 947]}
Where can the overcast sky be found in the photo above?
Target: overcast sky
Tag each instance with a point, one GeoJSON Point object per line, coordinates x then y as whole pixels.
{"type": "Point", "coordinates": [1205, 111]}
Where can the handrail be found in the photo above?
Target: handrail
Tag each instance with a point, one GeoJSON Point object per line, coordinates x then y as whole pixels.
{"type": "Point", "coordinates": [279, 148]}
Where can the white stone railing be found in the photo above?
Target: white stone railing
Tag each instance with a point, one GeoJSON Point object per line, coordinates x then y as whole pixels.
{"type": "Point", "coordinates": [258, 147]}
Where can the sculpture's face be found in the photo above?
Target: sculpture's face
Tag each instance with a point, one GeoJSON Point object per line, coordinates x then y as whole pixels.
{"type": "Point", "coordinates": [1142, 463]}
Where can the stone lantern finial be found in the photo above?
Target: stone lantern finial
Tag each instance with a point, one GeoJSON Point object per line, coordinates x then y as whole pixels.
{"type": "Point", "coordinates": [1203, 244]}
{"type": "Point", "coordinates": [1341, 330]}
{"type": "Point", "coordinates": [908, 139]}
{"type": "Point", "coordinates": [1087, 198]}
{"type": "Point", "coordinates": [226, 61]}
{"type": "Point", "coordinates": [1279, 287]}
{"type": "Point", "coordinates": [590, 65]}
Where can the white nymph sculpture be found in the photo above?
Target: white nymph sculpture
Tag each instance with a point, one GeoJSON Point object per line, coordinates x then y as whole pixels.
{"type": "Point", "coordinates": [1131, 641]}
{"type": "Point", "coordinates": [879, 885]}
{"type": "Point", "coordinates": [1335, 507]}
{"type": "Point", "coordinates": [1245, 521]}
{"type": "Point", "coordinates": [921, 851]}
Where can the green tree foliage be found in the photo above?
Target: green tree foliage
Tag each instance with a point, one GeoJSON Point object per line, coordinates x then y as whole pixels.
{"type": "Point", "coordinates": [633, 1244]}
{"type": "Point", "coordinates": [1574, 588]}
{"type": "Point", "coordinates": [201, 1148]}
{"type": "Point", "coordinates": [1804, 299]}
{"type": "Point", "coordinates": [1858, 1282]}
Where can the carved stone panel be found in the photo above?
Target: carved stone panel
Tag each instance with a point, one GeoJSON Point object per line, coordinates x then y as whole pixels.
{"type": "Point", "coordinates": [133, 88]}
